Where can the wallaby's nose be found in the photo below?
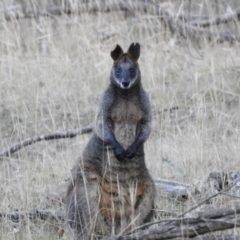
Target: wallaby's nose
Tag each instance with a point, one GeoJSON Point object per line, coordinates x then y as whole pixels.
{"type": "Point", "coordinates": [125, 84]}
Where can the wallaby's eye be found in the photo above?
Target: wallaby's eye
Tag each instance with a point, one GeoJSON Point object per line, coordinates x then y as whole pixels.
{"type": "Point", "coordinates": [132, 71]}
{"type": "Point", "coordinates": [118, 71]}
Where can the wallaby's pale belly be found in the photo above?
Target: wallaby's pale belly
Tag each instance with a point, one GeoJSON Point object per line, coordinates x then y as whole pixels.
{"type": "Point", "coordinates": [125, 120]}
{"type": "Point", "coordinates": [125, 133]}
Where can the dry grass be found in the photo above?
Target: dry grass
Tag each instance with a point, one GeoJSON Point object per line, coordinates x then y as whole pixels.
{"type": "Point", "coordinates": [52, 74]}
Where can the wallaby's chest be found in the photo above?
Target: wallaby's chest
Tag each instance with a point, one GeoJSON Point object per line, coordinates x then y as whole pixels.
{"type": "Point", "coordinates": [126, 111]}
{"type": "Point", "coordinates": [125, 115]}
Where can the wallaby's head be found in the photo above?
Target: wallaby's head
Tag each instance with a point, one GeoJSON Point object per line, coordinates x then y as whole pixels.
{"type": "Point", "coordinates": [125, 71]}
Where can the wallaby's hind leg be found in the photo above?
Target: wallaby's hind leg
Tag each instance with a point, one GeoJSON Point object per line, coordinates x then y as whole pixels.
{"type": "Point", "coordinates": [82, 203]}
{"type": "Point", "coordinates": [145, 210]}
{"type": "Point", "coordinates": [144, 207]}
{"type": "Point", "coordinates": [75, 216]}
{"type": "Point", "coordinates": [148, 200]}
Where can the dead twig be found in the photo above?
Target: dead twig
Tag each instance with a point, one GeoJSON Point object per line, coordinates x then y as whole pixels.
{"type": "Point", "coordinates": [16, 216]}
{"type": "Point", "coordinates": [46, 137]}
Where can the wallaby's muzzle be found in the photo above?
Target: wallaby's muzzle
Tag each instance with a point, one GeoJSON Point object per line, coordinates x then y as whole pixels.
{"type": "Point", "coordinates": [125, 84]}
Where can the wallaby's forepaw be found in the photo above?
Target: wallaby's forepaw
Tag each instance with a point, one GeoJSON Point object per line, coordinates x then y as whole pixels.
{"type": "Point", "coordinates": [131, 152]}
{"type": "Point", "coordinates": [119, 153]}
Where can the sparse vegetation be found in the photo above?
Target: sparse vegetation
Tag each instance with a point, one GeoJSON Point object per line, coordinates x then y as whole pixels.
{"type": "Point", "coordinates": [53, 71]}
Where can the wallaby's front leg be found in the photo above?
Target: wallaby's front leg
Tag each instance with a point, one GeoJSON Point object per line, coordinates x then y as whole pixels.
{"type": "Point", "coordinates": [104, 131]}
{"type": "Point", "coordinates": [140, 139]}
{"type": "Point", "coordinates": [119, 151]}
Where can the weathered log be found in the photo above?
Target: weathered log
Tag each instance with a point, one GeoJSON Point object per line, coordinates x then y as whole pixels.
{"type": "Point", "coordinates": [173, 189]}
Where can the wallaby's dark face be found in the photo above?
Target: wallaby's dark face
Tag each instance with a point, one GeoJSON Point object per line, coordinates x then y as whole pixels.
{"type": "Point", "coordinates": [125, 72]}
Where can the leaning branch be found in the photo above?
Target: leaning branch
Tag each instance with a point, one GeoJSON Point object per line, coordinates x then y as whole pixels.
{"type": "Point", "coordinates": [46, 137]}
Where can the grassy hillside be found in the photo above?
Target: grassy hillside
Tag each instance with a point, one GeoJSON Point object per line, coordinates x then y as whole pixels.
{"type": "Point", "coordinates": [52, 73]}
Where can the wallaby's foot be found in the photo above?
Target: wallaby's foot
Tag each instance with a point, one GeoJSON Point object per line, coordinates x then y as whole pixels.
{"type": "Point", "coordinates": [119, 153]}
{"type": "Point", "coordinates": [131, 152]}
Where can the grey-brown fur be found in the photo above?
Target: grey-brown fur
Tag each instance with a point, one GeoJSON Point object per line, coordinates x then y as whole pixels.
{"type": "Point", "coordinates": [111, 190]}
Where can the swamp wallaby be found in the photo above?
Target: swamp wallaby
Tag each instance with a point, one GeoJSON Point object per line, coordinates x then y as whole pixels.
{"type": "Point", "coordinates": [111, 191]}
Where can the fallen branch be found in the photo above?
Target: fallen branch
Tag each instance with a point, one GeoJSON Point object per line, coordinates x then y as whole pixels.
{"type": "Point", "coordinates": [221, 19]}
{"type": "Point", "coordinates": [18, 11]}
{"type": "Point", "coordinates": [46, 137]}
{"type": "Point", "coordinates": [184, 29]}
{"type": "Point", "coordinates": [184, 26]}
{"type": "Point", "coordinates": [16, 216]}
{"type": "Point", "coordinates": [215, 220]}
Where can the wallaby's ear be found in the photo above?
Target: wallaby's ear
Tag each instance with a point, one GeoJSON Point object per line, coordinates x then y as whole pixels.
{"type": "Point", "coordinates": [116, 53]}
{"type": "Point", "coordinates": [134, 51]}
